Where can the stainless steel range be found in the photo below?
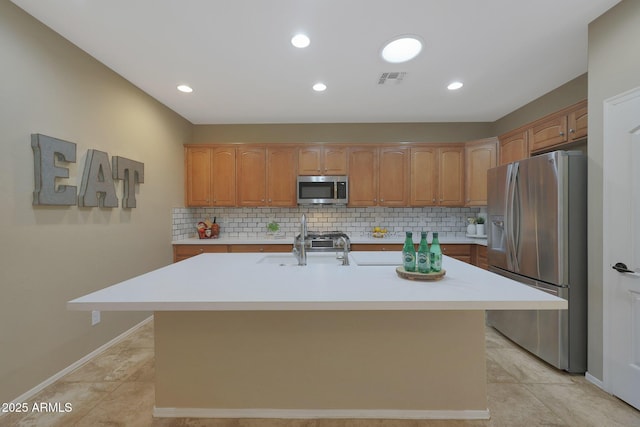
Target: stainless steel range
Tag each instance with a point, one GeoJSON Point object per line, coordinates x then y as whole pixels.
{"type": "Point", "coordinates": [315, 241]}
{"type": "Point", "coordinates": [326, 241]}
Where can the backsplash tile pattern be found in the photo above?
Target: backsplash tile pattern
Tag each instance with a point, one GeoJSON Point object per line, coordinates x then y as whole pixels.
{"type": "Point", "coordinates": [252, 222]}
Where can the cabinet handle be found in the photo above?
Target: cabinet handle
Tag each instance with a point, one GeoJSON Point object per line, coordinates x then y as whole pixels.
{"type": "Point", "coordinates": [201, 250]}
{"type": "Point", "coordinates": [261, 249]}
{"type": "Point", "coordinates": [269, 200]}
{"type": "Point", "coordinates": [382, 200]}
{"type": "Point", "coordinates": [572, 131]}
{"type": "Point", "coordinates": [375, 200]}
{"type": "Point", "coordinates": [262, 200]}
{"type": "Point", "coordinates": [561, 133]}
{"type": "Point", "coordinates": [433, 200]}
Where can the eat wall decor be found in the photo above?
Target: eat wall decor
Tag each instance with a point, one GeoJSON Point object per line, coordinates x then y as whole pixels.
{"type": "Point", "coordinates": [97, 187]}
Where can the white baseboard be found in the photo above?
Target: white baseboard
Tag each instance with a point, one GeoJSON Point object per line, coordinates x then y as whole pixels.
{"type": "Point", "coordinates": [321, 413]}
{"type": "Point", "coordinates": [29, 394]}
{"type": "Point", "coordinates": [593, 380]}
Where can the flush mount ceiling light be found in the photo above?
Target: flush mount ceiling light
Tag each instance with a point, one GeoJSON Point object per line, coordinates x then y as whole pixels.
{"type": "Point", "coordinates": [401, 49]}
{"type": "Point", "coordinates": [185, 88]}
{"type": "Point", "coordinates": [319, 87]}
{"type": "Point", "coordinates": [455, 85]}
{"type": "Point", "coordinates": [300, 41]}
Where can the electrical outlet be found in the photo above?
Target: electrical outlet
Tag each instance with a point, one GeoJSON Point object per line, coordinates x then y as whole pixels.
{"type": "Point", "coordinates": [95, 317]}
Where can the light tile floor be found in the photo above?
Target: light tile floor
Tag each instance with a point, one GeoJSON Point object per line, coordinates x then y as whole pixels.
{"type": "Point", "coordinates": [116, 389]}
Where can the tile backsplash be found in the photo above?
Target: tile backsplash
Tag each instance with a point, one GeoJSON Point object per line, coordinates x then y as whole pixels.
{"type": "Point", "coordinates": [252, 222]}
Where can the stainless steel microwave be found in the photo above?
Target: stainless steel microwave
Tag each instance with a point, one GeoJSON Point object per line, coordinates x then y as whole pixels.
{"type": "Point", "coordinates": [323, 190]}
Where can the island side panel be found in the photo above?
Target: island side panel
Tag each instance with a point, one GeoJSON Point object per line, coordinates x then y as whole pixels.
{"type": "Point", "coordinates": [306, 360]}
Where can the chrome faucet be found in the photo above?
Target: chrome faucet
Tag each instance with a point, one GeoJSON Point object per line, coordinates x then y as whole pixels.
{"type": "Point", "coordinates": [345, 250]}
{"type": "Point", "coordinates": [299, 244]}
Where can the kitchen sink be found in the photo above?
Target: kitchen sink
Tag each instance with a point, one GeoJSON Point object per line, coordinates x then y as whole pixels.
{"type": "Point", "coordinates": [312, 259]}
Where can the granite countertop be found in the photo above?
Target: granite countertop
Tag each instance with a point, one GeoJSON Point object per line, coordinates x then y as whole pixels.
{"type": "Point", "coordinates": [258, 281]}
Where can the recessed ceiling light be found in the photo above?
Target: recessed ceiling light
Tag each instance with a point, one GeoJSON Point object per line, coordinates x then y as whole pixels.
{"type": "Point", "coordinates": [319, 87]}
{"type": "Point", "coordinates": [455, 85]}
{"type": "Point", "coordinates": [402, 49]}
{"type": "Point", "coordinates": [300, 41]}
{"type": "Point", "coordinates": [185, 88]}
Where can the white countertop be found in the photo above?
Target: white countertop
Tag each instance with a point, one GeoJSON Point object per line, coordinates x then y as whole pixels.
{"type": "Point", "coordinates": [288, 240]}
{"type": "Point", "coordinates": [246, 281]}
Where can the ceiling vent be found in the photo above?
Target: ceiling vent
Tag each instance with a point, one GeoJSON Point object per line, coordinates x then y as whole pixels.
{"type": "Point", "coordinates": [391, 77]}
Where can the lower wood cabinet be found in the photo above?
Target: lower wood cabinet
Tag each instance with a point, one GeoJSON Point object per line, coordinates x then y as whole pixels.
{"type": "Point", "coordinates": [460, 252]}
{"type": "Point", "coordinates": [181, 252]}
{"type": "Point", "coordinates": [376, 246]}
{"type": "Point", "coordinates": [481, 257]}
{"type": "Point", "coordinates": [471, 254]}
{"type": "Point", "coordinates": [261, 248]}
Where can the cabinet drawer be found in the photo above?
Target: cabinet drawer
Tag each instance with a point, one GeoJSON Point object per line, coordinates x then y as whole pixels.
{"type": "Point", "coordinates": [181, 252]}
{"type": "Point", "coordinates": [376, 247]}
{"type": "Point", "coordinates": [482, 257]}
{"type": "Point", "coordinates": [456, 250]}
{"type": "Point", "coordinates": [261, 248]}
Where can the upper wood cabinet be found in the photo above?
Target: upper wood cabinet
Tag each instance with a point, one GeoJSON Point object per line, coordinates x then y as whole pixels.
{"type": "Point", "coordinates": [223, 185]}
{"type": "Point", "coordinates": [198, 169]}
{"type": "Point", "coordinates": [424, 176]}
{"type": "Point", "coordinates": [393, 176]}
{"type": "Point", "coordinates": [578, 122]}
{"type": "Point", "coordinates": [378, 176]}
{"type": "Point", "coordinates": [451, 175]}
{"type": "Point", "coordinates": [266, 176]}
{"type": "Point", "coordinates": [480, 156]}
{"type": "Point", "coordinates": [567, 125]}
{"type": "Point", "coordinates": [281, 176]}
{"type": "Point", "coordinates": [514, 146]}
{"type": "Point", "coordinates": [252, 172]}
{"type": "Point", "coordinates": [437, 175]}
{"type": "Point", "coordinates": [363, 182]}
{"type": "Point", "coordinates": [322, 160]}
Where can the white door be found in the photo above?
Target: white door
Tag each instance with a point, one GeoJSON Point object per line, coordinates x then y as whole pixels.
{"type": "Point", "coordinates": [621, 244]}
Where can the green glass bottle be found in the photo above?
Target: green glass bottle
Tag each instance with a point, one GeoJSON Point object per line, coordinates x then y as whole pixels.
{"type": "Point", "coordinates": [435, 254]}
{"type": "Point", "coordinates": [409, 253]}
{"type": "Point", "coordinates": [424, 263]}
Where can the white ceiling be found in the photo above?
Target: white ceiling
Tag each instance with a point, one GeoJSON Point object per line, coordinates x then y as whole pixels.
{"type": "Point", "coordinates": [238, 58]}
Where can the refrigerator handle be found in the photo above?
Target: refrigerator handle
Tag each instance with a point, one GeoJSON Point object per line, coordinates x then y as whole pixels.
{"type": "Point", "coordinates": [510, 217]}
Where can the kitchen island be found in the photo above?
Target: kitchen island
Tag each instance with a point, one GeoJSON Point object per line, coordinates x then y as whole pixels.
{"type": "Point", "coordinates": [254, 335]}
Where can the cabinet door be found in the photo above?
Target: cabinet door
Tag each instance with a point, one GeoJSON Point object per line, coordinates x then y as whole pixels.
{"type": "Point", "coordinates": [479, 156]}
{"type": "Point", "coordinates": [363, 182]}
{"type": "Point", "coordinates": [451, 176]}
{"type": "Point", "coordinates": [335, 160]}
{"type": "Point", "coordinates": [309, 161]}
{"type": "Point", "coordinates": [252, 174]}
{"type": "Point", "coordinates": [548, 133]}
{"type": "Point", "coordinates": [198, 176]}
{"type": "Point", "coordinates": [578, 123]}
{"type": "Point", "coordinates": [393, 177]}
{"type": "Point", "coordinates": [514, 146]}
{"type": "Point", "coordinates": [281, 177]}
{"type": "Point", "coordinates": [424, 173]}
{"type": "Point", "coordinates": [224, 176]}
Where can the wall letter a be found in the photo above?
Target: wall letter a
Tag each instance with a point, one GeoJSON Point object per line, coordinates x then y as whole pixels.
{"type": "Point", "coordinates": [97, 187]}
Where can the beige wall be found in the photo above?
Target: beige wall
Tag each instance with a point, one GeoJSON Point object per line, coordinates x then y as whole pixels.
{"type": "Point", "coordinates": [614, 67]}
{"type": "Point", "coordinates": [49, 255]}
{"type": "Point", "coordinates": [342, 132]}
{"type": "Point", "coordinates": [568, 94]}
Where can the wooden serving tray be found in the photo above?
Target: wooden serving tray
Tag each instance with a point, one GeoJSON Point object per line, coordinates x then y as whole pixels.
{"type": "Point", "coordinates": [415, 275]}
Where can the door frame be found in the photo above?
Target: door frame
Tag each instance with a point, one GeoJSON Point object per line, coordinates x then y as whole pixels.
{"type": "Point", "coordinates": [608, 291]}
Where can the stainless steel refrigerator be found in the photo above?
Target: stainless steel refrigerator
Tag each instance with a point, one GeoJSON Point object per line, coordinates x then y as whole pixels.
{"type": "Point", "coordinates": [537, 235]}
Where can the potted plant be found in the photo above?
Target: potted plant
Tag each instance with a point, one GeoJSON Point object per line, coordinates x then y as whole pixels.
{"type": "Point", "coordinates": [480, 231]}
{"type": "Point", "coordinates": [273, 228]}
{"type": "Point", "coordinates": [471, 228]}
